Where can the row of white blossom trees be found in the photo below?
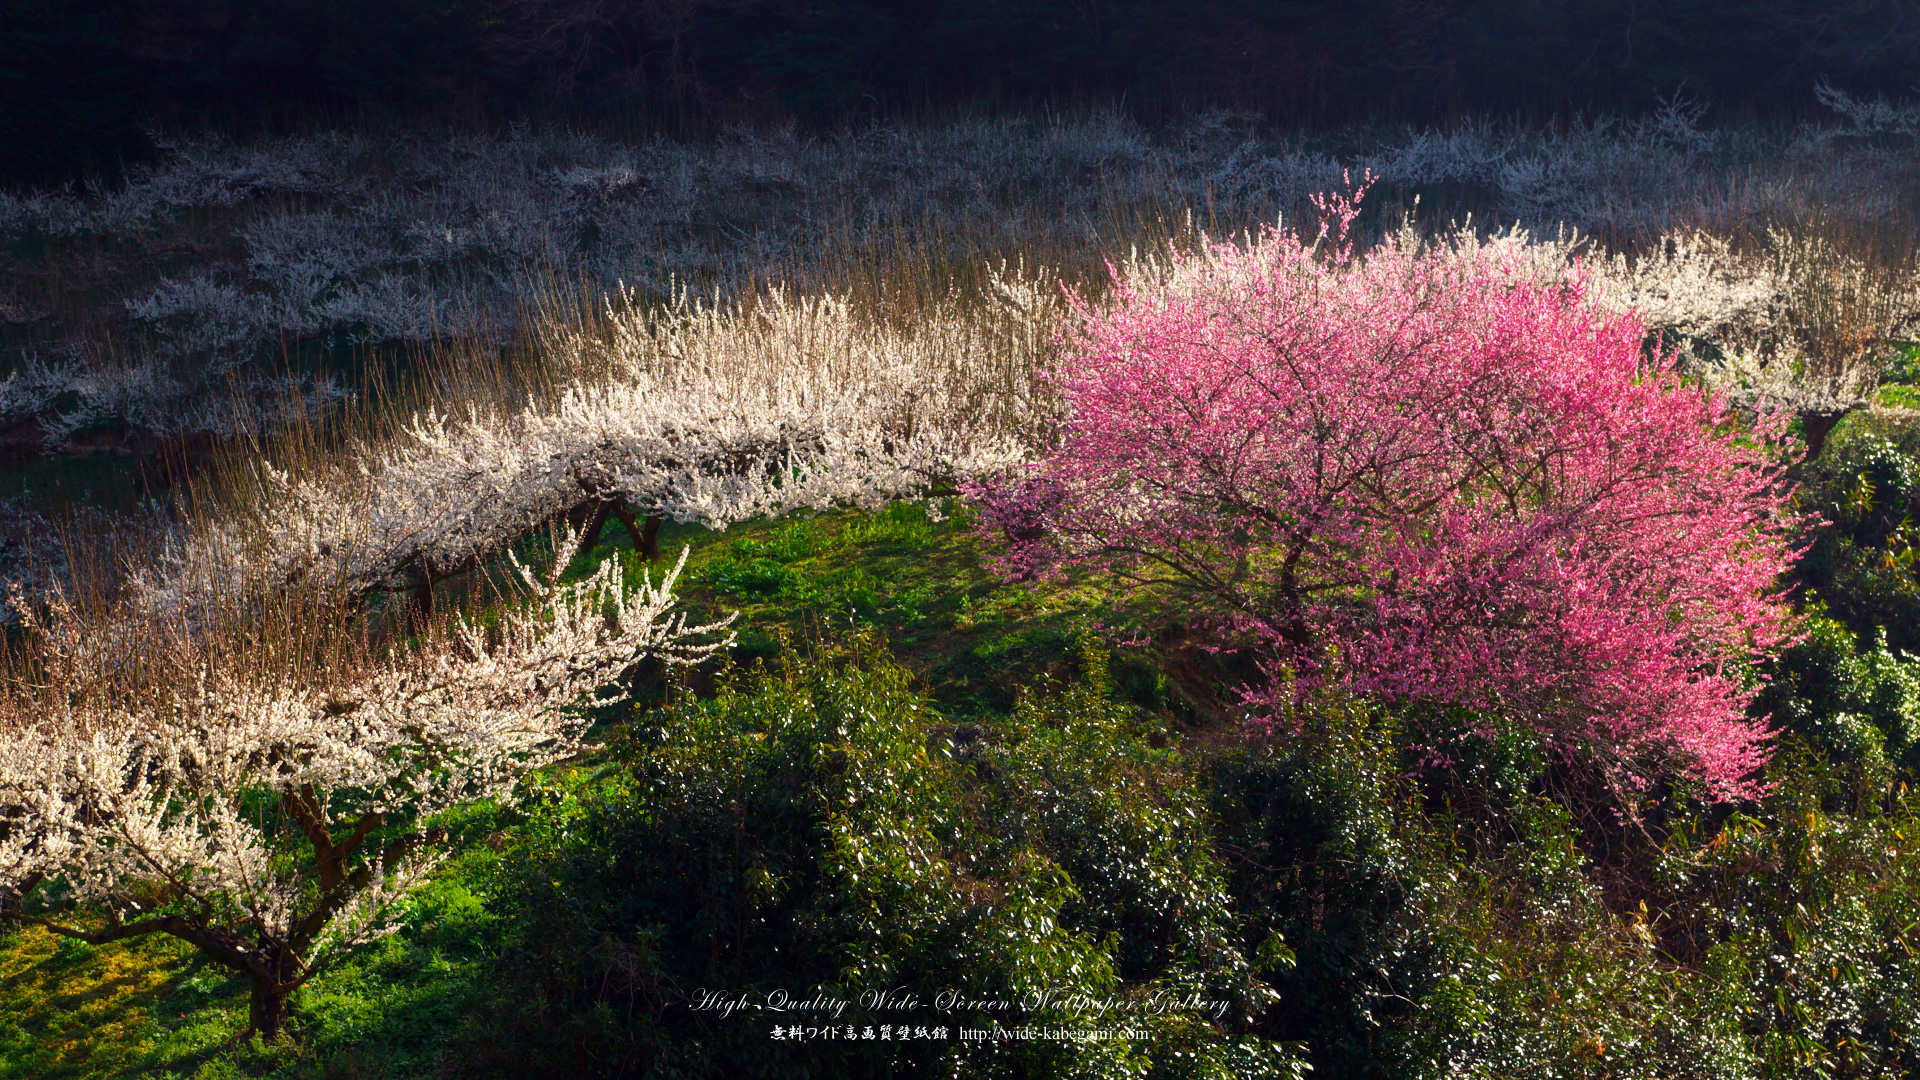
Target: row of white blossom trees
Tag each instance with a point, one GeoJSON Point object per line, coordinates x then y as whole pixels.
{"type": "Point", "coordinates": [697, 413]}
{"type": "Point", "coordinates": [225, 752]}
{"type": "Point", "coordinates": [714, 413]}
{"type": "Point", "coordinates": [348, 237]}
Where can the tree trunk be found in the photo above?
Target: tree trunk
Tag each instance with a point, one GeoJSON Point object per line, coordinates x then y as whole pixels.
{"type": "Point", "coordinates": [268, 1009]}
{"type": "Point", "coordinates": [650, 539]}
{"type": "Point", "coordinates": [590, 535]}
{"type": "Point", "coordinates": [646, 539]}
{"type": "Point", "coordinates": [420, 601]}
{"type": "Point", "coordinates": [1817, 426]}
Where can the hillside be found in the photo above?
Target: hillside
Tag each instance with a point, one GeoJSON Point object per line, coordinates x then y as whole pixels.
{"type": "Point", "coordinates": [1155, 602]}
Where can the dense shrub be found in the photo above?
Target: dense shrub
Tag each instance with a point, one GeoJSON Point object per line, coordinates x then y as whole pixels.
{"type": "Point", "coordinates": [1454, 915]}
{"type": "Point", "coordinates": [1798, 922]}
{"type": "Point", "coordinates": [1858, 707]}
{"type": "Point", "coordinates": [1459, 902]}
{"type": "Point", "coordinates": [1863, 559]}
{"type": "Point", "coordinates": [1317, 855]}
{"type": "Point", "coordinates": [817, 829]}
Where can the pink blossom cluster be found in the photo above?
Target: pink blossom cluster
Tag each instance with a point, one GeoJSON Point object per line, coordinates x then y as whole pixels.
{"type": "Point", "coordinates": [1429, 476]}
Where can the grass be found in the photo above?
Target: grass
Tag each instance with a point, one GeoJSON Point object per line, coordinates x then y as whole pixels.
{"type": "Point", "coordinates": [69, 1009]}
{"type": "Point", "coordinates": [918, 579]}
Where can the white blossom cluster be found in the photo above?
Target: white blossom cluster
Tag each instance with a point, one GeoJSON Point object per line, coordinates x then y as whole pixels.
{"type": "Point", "coordinates": [1796, 325]}
{"type": "Point", "coordinates": [1788, 323]}
{"type": "Point", "coordinates": [1868, 119]}
{"type": "Point", "coordinates": [197, 174]}
{"type": "Point", "coordinates": [162, 784]}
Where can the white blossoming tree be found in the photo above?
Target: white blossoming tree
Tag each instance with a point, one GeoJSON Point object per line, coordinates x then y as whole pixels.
{"type": "Point", "coordinates": [273, 812]}
{"type": "Point", "coordinates": [1800, 326]}
{"type": "Point", "coordinates": [707, 413]}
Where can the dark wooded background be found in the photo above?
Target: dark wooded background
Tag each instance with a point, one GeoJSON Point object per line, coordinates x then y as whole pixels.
{"type": "Point", "coordinates": [82, 81]}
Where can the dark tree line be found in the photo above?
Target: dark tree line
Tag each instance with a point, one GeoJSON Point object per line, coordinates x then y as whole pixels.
{"type": "Point", "coordinates": [81, 80]}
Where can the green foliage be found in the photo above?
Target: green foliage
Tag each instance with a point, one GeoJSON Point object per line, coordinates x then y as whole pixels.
{"type": "Point", "coordinates": [1802, 921]}
{"type": "Point", "coordinates": [1771, 942]}
{"type": "Point", "coordinates": [1858, 707]}
{"type": "Point", "coordinates": [1306, 821]}
{"type": "Point", "coordinates": [1900, 380]}
{"type": "Point", "coordinates": [1456, 912]}
{"type": "Point", "coordinates": [1863, 558]}
{"type": "Point", "coordinates": [817, 829]}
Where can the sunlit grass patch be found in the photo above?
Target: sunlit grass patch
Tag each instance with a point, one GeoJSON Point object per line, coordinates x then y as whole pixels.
{"type": "Point", "coordinates": [153, 1008]}
{"type": "Point", "coordinates": [914, 572]}
{"type": "Point", "coordinates": [68, 1009]}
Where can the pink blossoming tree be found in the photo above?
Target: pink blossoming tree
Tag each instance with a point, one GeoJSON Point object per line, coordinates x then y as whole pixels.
{"type": "Point", "coordinates": [1425, 474]}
